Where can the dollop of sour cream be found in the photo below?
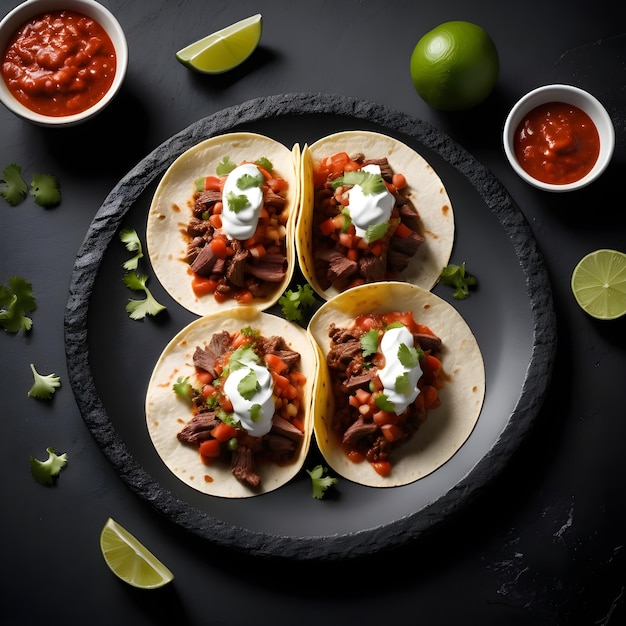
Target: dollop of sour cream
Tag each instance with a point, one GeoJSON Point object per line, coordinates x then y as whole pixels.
{"type": "Point", "coordinates": [241, 224]}
{"type": "Point", "coordinates": [242, 407]}
{"type": "Point", "coordinates": [389, 346]}
{"type": "Point", "coordinates": [369, 209]}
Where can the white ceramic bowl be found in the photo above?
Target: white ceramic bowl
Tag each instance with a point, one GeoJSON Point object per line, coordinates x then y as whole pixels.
{"type": "Point", "coordinates": [25, 11]}
{"type": "Point", "coordinates": [569, 95]}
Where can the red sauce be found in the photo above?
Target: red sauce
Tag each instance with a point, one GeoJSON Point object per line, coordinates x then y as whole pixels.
{"type": "Point", "coordinates": [59, 63]}
{"type": "Point", "coordinates": [557, 143]}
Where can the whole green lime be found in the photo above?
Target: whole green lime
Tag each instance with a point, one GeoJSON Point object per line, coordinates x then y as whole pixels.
{"type": "Point", "coordinates": [455, 66]}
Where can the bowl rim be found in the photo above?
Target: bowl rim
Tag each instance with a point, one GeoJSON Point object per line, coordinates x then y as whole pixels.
{"type": "Point", "coordinates": [23, 12]}
{"type": "Point", "coordinates": [573, 95]}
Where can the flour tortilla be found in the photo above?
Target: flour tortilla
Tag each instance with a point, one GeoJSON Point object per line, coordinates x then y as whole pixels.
{"type": "Point", "coordinates": [425, 190]}
{"type": "Point", "coordinates": [167, 413]}
{"type": "Point", "coordinates": [447, 427]}
{"type": "Point", "coordinates": [169, 212]}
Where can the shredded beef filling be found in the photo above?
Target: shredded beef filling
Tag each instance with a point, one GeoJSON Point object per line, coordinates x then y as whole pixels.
{"type": "Point", "coordinates": [278, 446]}
{"type": "Point", "coordinates": [332, 265]}
{"type": "Point", "coordinates": [349, 372]}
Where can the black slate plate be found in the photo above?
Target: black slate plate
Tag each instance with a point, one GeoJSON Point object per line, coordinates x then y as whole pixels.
{"type": "Point", "coordinates": [110, 357]}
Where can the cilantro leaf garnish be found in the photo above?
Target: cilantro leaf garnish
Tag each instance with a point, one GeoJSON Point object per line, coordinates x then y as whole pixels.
{"type": "Point", "coordinates": [265, 163]}
{"type": "Point", "coordinates": [255, 412]}
{"type": "Point", "coordinates": [408, 356]}
{"type": "Point", "coordinates": [43, 386]}
{"type": "Point", "coordinates": [44, 471]}
{"type": "Point", "coordinates": [16, 301]}
{"type": "Point", "coordinates": [402, 384]}
{"type": "Point", "coordinates": [370, 183]}
{"type": "Point", "coordinates": [237, 203]}
{"type": "Point", "coordinates": [249, 385]}
{"type": "Point", "coordinates": [319, 481]}
{"type": "Point", "coordinates": [138, 309]}
{"type": "Point", "coordinates": [247, 181]}
{"type": "Point", "coordinates": [225, 167]}
{"type": "Point", "coordinates": [129, 237]}
{"type": "Point", "coordinates": [45, 189]}
{"type": "Point", "coordinates": [248, 331]}
{"type": "Point", "coordinates": [183, 389]}
{"type": "Point", "coordinates": [293, 303]}
{"type": "Point", "coordinates": [456, 276]}
{"type": "Point", "coordinates": [376, 231]}
{"type": "Point", "coordinates": [369, 342]}
{"type": "Point", "coordinates": [12, 186]}
{"type": "Point", "coordinates": [384, 403]}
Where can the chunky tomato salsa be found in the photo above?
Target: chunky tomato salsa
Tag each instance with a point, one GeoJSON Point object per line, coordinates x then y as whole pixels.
{"type": "Point", "coordinates": [386, 375]}
{"type": "Point", "coordinates": [557, 143]}
{"type": "Point", "coordinates": [59, 63]}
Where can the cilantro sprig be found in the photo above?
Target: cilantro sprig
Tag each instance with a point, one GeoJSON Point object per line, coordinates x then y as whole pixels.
{"type": "Point", "coordinates": [294, 302]}
{"type": "Point", "coordinates": [370, 183]}
{"type": "Point", "coordinates": [138, 309]}
{"type": "Point", "coordinates": [456, 276]}
{"type": "Point", "coordinates": [320, 481]}
{"type": "Point", "coordinates": [44, 472]}
{"type": "Point", "coordinates": [43, 385]}
{"type": "Point", "coordinates": [132, 242]}
{"type": "Point", "coordinates": [44, 188]}
{"type": "Point", "coordinates": [13, 187]}
{"type": "Point", "coordinates": [16, 301]}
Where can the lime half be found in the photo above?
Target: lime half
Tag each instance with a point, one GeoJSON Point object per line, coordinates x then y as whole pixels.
{"type": "Point", "coordinates": [130, 560]}
{"type": "Point", "coordinates": [599, 284]}
{"type": "Point", "coordinates": [224, 49]}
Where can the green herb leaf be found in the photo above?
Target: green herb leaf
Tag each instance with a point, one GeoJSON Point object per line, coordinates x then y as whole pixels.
{"type": "Point", "coordinates": [247, 181]}
{"type": "Point", "coordinates": [265, 163]}
{"type": "Point", "coordinates": [294, 303]}
{"type": "Point", "coordinates": [225, 167]}
{"type": "Point", "coordinates": [249, 385]}
{"type": "Point", "coordinates": [45, 189]}
{"type": "Point", "coordinates": [13, 188]}
{"type": "Point", "coordinates": [455, 276]}
{"type": "Point", "coordinates": [370, 183]}
{"type": "Point", "coordinates": [255, 412]}
{"type": "Point", "coordinates": [384, 404]}
{"type": "Point", "coordinates": [237, 203]}
{"type": "Point", "coordinates": [43, 386]}
{"type": "Point", "coordinates": [183, 389]}
{"type": "Point", "coordinates": [376, 231]}
{"type": "Point", "coordinates": [44, 471]}
{"type": "Point", "coordinates": [319, 481]}
{"type": "Point", "coordinates": [369, 342]}
{"type": "Point", "coordinates": [129, 237]}
{"type": "Point", "coordinates": [248, 331]}
{"type": "Point", "coordinates": [16, 301]}
{"type": "Point", "coordinates": [402, 384]}
{"type": "Point", "coordinates": [408, 356]}
{"type": "Point", "coordinates": [138, 309]}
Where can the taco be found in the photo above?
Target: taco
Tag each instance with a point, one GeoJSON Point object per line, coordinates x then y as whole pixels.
{"type": "Point", "coordinates": [400, 386]}
{"type": "Point", "coordinates": [372, 210]}
{"type": "Point", "coordinates": [220, 225]}
{"type": "Point", "coordinates": [228, 402]}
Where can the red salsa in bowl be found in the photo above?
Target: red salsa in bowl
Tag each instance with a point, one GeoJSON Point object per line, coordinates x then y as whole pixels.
{"type": "Point", "coordinates": [557, 143]}
{"type": "Point", "coordinates": [59, 63]}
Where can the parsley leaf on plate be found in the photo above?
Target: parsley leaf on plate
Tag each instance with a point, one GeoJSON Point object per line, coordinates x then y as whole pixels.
{"type": "Point", "coordinates": [45, 189]}
{"type": "Point", "coordinates": [16, 301]}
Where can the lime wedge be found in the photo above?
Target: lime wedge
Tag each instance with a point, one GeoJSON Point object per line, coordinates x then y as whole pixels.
{"type": "Point", "coordinates": [130, 560]}
{"type": "Point", "coordinates": [599, 284]}
{"type": "Point", "coordinates": [224, 49]}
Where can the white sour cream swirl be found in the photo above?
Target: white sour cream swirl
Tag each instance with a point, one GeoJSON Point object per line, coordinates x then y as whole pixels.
{"type": "Point", "coordinates": [263, 397]}
{"type": "Point", "coordinates": [389, 346]}
{"type": "Point", "coordinates": [242, 224]}
{"type": "Point", "coordinates": [369, 209]}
